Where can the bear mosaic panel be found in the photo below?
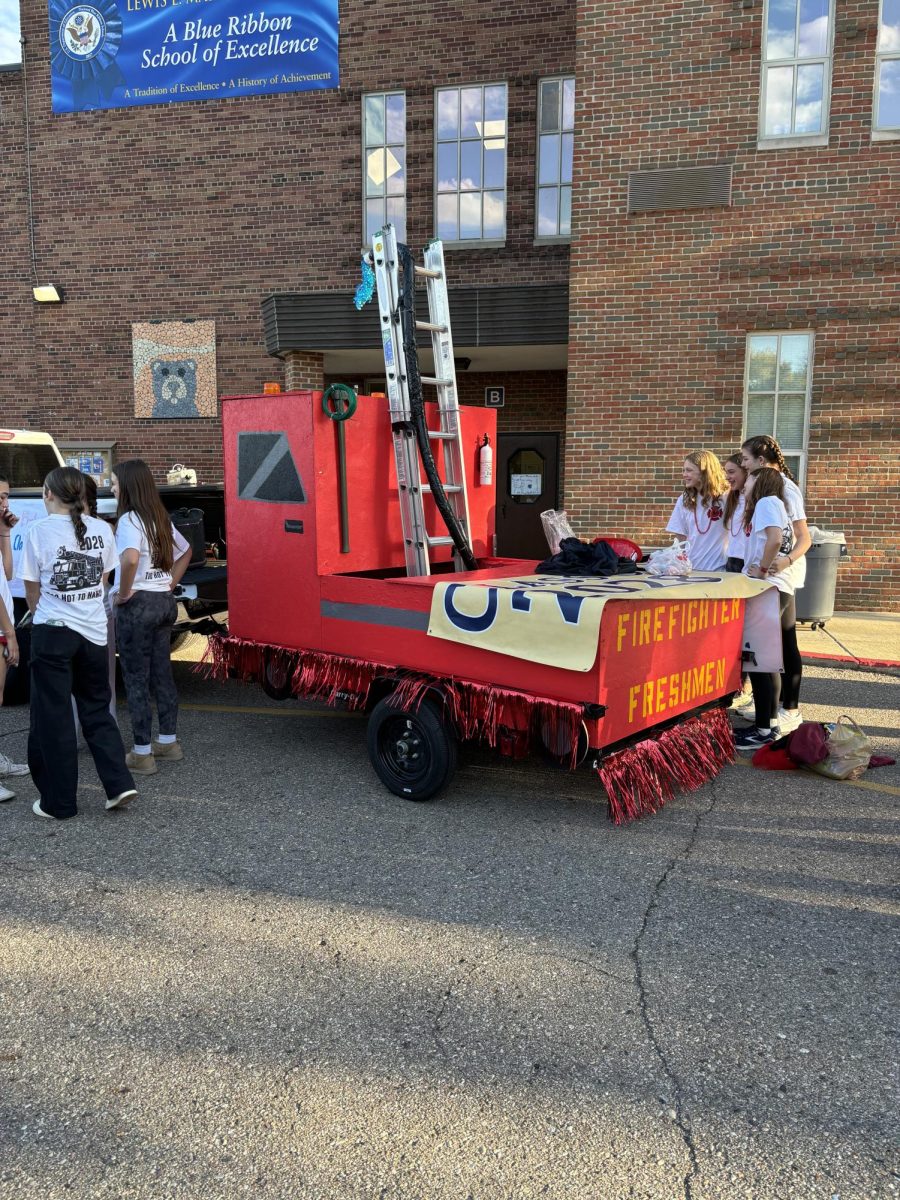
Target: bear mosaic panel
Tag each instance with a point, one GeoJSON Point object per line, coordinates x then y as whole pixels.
{"type": "Point", "coordinates": [174, 369]}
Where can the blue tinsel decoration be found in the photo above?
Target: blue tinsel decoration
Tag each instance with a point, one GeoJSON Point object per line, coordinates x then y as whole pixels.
{"type": "Point", "coordinates": [366, 289]}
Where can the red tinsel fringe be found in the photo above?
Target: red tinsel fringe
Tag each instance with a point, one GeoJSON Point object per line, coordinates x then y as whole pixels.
{"type": "Point", "coordinates": [640, 779]}
{"type": "Point", "coordinates": [498, 716]}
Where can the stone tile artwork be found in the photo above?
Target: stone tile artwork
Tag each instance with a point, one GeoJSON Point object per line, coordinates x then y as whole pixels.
{"type": "Point", "coordinates": [174, 369]}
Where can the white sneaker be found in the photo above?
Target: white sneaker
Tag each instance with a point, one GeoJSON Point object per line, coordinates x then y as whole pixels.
{"type": "Point", "coordinates": [741, 701]}
{"type": "Point", "coordinates": [788, 722]}
{"type": "Point", "coordinates": [6, 794]}
{"type": "Point", "coordinates": [8, 767]}
{"type": "Point", "coordinates": [39, 812]}
{"type": "Point", "coordinates": [122, 799]}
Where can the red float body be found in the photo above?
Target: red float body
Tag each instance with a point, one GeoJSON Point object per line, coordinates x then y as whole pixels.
{"type": "Point", "coordinates": [296, 589]}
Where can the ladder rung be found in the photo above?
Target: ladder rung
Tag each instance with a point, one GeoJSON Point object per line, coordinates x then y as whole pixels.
{"type": "Point", "coordinates": [444, 434]}
{"type": "Point", "coordinates": [428, 273]}
{"type": "Point", "coordinates": [440, 541]}
{"type": "Point", "coordinates": [436, 382]}
{"type": "Point", "coordinates": [429, 325]}
{"type": "Point", "coordinates": [449, 488]}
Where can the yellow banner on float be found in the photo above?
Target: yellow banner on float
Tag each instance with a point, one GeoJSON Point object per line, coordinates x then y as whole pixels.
{"type": "Point", "coordinates": [556, 621]}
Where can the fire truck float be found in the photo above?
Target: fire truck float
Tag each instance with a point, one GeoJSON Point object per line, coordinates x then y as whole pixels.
{"type": "Point", "coordinates": [354, 581]}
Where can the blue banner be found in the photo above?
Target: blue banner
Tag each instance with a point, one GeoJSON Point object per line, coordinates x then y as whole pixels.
{"type": "Point", "coordinates": [119, 53]}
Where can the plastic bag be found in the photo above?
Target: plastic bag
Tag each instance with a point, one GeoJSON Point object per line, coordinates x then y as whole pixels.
{"type": "Point", "coordinates": [671, 561]}
{"type": "Point", "coordinates": [849, 751]}
{"type": "Point", "coordinates": [556, 527]}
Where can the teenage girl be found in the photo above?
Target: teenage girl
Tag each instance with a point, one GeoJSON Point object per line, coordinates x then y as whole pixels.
{"type": "Point", "coordinates": [65, 563]}
{"type": "Point", "coordinates": [764, 451]}
{"type": "Point", "coordinates": [736, 547]}
{"type": "Point", "coordinates": [770, 534]}
{"type": "Point", "coordinates": [736, 544]}
{"type": "Point", "coordinates": [145, 612]}
{"type": "Point", "coordinates": [697, 517]}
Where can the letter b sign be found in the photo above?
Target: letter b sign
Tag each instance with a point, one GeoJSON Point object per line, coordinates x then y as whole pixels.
{"type": "Point", "coordinates": [494, 397]}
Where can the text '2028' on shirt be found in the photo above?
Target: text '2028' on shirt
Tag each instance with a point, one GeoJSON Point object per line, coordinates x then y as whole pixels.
{"type": "Point", "coordinates": [703, 528]}
{"type": "Point", "coordinates": [71, 576]}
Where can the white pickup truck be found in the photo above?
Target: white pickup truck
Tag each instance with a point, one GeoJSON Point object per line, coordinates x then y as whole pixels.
{"type": "Point", "coordinates": [26, 458]}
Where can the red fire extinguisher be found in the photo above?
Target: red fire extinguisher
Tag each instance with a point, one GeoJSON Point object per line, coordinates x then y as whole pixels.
{"type": "Point", "coordinates": [486, 462]}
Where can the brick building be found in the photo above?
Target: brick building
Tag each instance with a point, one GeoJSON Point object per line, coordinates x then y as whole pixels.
{"type": "Point", "coordinates": [731, 260]}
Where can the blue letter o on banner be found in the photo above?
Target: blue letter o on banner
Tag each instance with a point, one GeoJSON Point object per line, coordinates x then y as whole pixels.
{"type": "Point", "coordinates": [470, 624]}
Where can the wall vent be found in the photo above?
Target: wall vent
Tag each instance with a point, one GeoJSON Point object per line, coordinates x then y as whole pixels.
{"type": "Point", "coordinates": [683, 187]}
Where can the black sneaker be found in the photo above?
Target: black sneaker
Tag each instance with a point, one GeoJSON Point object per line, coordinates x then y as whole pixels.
{"type": "Point", "coordinates": [752, 739]}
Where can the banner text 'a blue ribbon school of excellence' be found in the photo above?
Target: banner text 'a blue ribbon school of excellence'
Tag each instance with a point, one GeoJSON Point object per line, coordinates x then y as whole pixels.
{"type": "Point", "coordinates": [119, 53]}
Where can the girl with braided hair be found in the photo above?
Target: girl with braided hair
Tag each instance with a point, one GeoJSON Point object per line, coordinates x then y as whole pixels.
{"type": "Point", "coordinates": [65, 563]}
{"type": "Point", "coordinates": [764, 451]}
{"type": "Point", "coordinates": [697, 516]}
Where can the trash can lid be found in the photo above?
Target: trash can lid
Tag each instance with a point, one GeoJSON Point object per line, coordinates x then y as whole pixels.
{"type": "Point", "coordinates": [824, 537]}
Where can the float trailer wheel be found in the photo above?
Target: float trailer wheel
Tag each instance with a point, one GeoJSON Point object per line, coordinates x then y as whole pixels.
{"type": "Point", "coordinates": [413, 751]}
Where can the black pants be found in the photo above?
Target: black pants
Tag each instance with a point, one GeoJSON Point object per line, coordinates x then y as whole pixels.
{"type": "Point", "coordinates": [144, 638]}
{"type": "Point", "coordinates": [776, 690]}
{"type": "Point", "coordinates": [65, 664]}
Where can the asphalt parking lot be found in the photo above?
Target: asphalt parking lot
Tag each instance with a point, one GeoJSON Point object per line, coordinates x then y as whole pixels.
{"type": "Point", "coordinates": [269, 977]}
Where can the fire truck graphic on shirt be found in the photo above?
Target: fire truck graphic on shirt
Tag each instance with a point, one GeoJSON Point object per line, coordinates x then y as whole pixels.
{"type": "Point", "coordinates": [74, 570]}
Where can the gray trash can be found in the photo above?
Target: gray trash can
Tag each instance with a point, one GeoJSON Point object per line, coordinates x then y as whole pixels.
{"type": "Point", "coordinates": [815, 600]}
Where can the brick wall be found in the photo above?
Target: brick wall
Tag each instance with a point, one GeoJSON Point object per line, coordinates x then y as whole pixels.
{"type": "Point", "coordinates": [661, 302]}
{"type": "Point", "coordinates": [201, 209]}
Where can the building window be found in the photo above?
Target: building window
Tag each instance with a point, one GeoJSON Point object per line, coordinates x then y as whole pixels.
{"type": "Point", "coordinates": [10, 33]}
{"type": "Point", "coordinates": [556, 136]}
{"type": "Point", "coordinates": [470, 163]}
{"type": "Point", "coordinates": [777, 390]}
{"type": "Point", "coordinates": [384, 163]}
{"type": "Point", "coordinates": [797, 38]}
{"type": "Point", "coordinates": [887, 69]}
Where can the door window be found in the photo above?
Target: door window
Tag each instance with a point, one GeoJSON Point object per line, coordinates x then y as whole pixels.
{"type": "Point", "coordinates": [525, 476]}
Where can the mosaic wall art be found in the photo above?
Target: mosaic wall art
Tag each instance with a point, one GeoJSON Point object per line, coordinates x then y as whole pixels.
{"type": "Point", "coordinates": [174, 369]}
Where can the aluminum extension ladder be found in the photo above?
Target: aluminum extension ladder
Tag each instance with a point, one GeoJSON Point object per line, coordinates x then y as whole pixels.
{"type": "Point", "coordinates": [416, 540]}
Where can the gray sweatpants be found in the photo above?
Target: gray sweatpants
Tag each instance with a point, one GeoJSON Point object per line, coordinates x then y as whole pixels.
{"type": "Point", "coordinates": [144, 640]}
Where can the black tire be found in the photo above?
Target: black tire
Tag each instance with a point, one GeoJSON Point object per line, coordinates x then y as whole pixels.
{"type": "Point", "coordinates": [413, 751]}
{"type": "Point", "coordinates": [276, 680]}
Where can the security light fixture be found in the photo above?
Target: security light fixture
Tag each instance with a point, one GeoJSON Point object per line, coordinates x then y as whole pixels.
{"type": "Point", "coordinates": [462, 364]}
{"type": "Point", "coordinates": [48, 294]}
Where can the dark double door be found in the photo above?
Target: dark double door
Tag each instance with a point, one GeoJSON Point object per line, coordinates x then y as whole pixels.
{"type": "Point", "coordinates": [527, 478]}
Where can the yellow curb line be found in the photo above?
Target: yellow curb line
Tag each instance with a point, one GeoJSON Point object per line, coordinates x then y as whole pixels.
{"type": "Point", "coordinates": [859, 783]}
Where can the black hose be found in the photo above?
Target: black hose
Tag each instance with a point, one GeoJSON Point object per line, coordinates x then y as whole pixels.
{"type": "Point", "coordinates": [417, 408]}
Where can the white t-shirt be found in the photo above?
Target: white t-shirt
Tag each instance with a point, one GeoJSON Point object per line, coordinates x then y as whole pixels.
{"type": "Point", "coordinates": [131, 535]}
{"type": "Point", "coordinates": [770, 512]}
{"type": "Point", "coordinates": [71, 577]}
{"type": "Point", "coordinates": [736, 546]}
{"type": "Point", "coordinates": [793, 502]}
{"type": "Point", "coordinates": [705, 533]}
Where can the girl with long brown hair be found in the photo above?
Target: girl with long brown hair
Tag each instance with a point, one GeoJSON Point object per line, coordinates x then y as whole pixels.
{"type": "Point", "coordinates": [733, 516]}
{"type": "Point", "coordinates": [764, 451]}
{"type": "Point", "coordinates": [150, 567]}
{"type": "Point", "coordinates": [697, 516]}
{"type": "Point", "coordinates": [769, 535]}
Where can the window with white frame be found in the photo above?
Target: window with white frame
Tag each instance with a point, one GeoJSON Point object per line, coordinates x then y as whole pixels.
{"type": "Point", "coordinates": [10, 34]}
{"type": "Point", "coordinates": [556, 139]}
{"type": "Point", "coordinates": [384, 163]}
{"type": "Point", "coordinates": [796, 70]}
{"type": "Point", "coordinates": [778, 380]}
{"type": "Point", "coordinates": [887, 69]}
{"type": "Point", "coordinates": [470, 163]}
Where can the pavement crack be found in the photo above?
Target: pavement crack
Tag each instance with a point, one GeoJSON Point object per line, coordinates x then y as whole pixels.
{"type": "Point", "coordinates": [459, 978]}
{"type": "Point", "coordinates": [682, 1114]}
